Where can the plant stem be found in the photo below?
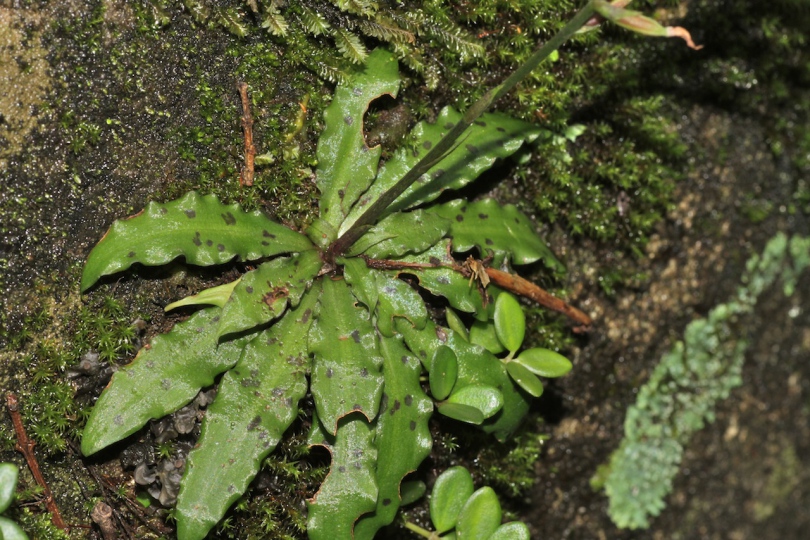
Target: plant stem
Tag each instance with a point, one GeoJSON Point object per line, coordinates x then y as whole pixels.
{"type": "Point", "coordinates": [419, 530]}
{"type": "Point", "coordinates": [445, 145]}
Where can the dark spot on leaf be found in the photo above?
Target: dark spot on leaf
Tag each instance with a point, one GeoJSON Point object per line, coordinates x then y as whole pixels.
{"type": "Point", "coordinates": [444, 280]}
{"type": "Point", "coordinates": [357, 92]}
{"type": "Point", "coordinates": [341, 469]}
{"type": "Point", "coordinates": [488, 241]}
{"type": "Point", "coordinates": [435, 261]}
{"type": "Point", "coordinates": [459, 218]}
{"type": "Point", "coordinates": [480, 123]}
{"type": "Point", "coordinates": [229, 219]}
{"type": "Point", "coordinates": [306, 316]}
{"type": "Point", "coordinates": [118, 420]}
{"type": "Point", "coordinates": [265, 243]}
{"type": "Point", "coordinates": [164, 210]}
{"type": "Point", "coordinates": [397, 406]}
{"type": "Point", "coordinates": [356, 336]}
{"type": "Point", "coordinates": [209, 243]}
{"type": "Point", "coordinates": [341, 194]}
{"type": "Point", "coordinates": [277, 391]}
{"type": "Point", "coordinates": [364, 373]}
{"type": "Point", "coordinates": [422, 353]}
{"type": "Point", "coordinates": [427, 145]}
{"type": "Point", "coordinates": [131, 254]}
{"type": "Point", "coordinates": [357, 407]}
{"type": "Point", "coordinates": [196, 240]}
{"type": "Point", "coordinates": [357, 465]}
{"type": "Point", "coordinates": [220, 247]}
{"type": "Point", "coordinates": [231, 488]}
{"type": "Point", "coordinates": [384, 403]}
{"type": "Point", "coordinates": [412, 425]}
{"type": "Point", "coordinates": [483, 216]}
{"type": "Point", "coordinates": [166, 384]}
{"type": "Point", "coordinates": [408, 400]}
{"type": "Point", "coordinates": [437, 173]}
{"type": "Point", "coordinates": [517, 221]}
{"type": "Point", "coordinates": [389, 289]}
{"type": "Point", "coordinates": [268, 235]}
{"type": "Point", "coordinates": [501, 129]}
{"type": "Point", "coordinates": [349, 120]}
{"type": "Point", "coordinates": [289, 402]}
{"type": "Point", "coordinates": [472, 149]}
{"type": "Point", "coordinates": [329, 373]}
{"type": "Point", "coordinates": [191, 214]}
{"type": "Point", "coordinates": [248, 289]}
{"type": "Point", "coordinates": [215, 319]}
{"type": "Point", "coordinates": [386, 502]}
{"type": "Point", "coordinates": [404, 359]}
{"type": "Point", "coordinates": [449, 125]}
{"type": "Point", "coordinates": [250, 383]}
{"type": "Point", "coordinates": [254, 423]}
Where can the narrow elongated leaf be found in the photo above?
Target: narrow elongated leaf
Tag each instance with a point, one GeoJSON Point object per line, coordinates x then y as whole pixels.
{"type": "Point", "coordinates": [214, 296]}
{"type": "Point", "coordinates": [350, 490]}
{"type": "Point", "coordinates": [495, 229]}
{"type": "Point", "coordinates": [480, 516]}
{"type": "Point", "coordinates": [443, 372]}
{"type": "Point", "coordinates": [493, 136]}
{"type": "Point", "coordinates": [346, 365]}
{"type": "Point", "coordinates": [407, 232]}
{"type": "Point", "coordinates": [163, 377]}
{"type": "Point", "coordinates": [402, 438]}
{"type": "Point", "coordinates": [256, 402]}
{"type": "Point", "coordinates": [346, 166]}
{"type": "Point", "coordinates": [263, 294]}
{"type": "Point", "coordinates": [525, 378]}
{"type": "Point", "coordinates": [475, 366]}
{"type": "Point", "coordinates": [199, 228]}
{"type": "Point", "coordinates": [450, 492]}
{"type": "Point", "coordinates": [388, 296]}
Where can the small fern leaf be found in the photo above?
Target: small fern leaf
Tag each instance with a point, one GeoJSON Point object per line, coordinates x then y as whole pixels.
{"type": "Point", "coordinates": [275, 22]}
{"type": "Point", "coordinates": [349, 46]}
{"type": "Point", "coordinates": [364, 8]}
{"type": "Point", "coordinates": [313, 22]}
{"type": "Point", "coordinates": [385, 30]}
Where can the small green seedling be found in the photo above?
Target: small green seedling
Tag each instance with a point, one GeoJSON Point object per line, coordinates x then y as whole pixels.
{"type": "Point", "coordinates": [459, 512]}
{"type": "Point", "coordinates": [8, 485]}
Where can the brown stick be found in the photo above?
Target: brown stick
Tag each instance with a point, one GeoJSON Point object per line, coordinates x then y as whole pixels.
{"type": "Point", "coordinates": [26, 447]}
{"type": "Point", "coordinates": [523, 287]}
{"type": "Point", "coordinates": [246, 177]}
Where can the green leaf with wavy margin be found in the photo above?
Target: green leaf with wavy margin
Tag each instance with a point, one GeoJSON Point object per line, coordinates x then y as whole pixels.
{"type": "Point", "coordinates": [346, 365]}
{"type": "Point", "coordinates": [495, 229]}
{"type": "Point", "coordinates": [199, 228]}
{"type": "Point", "coordinates": [263, 294]}
{"type": "Point", "coordinates": [165, 376]}
{"type": "Point", "coordinates": [256, 402]}
{"type": "Point", "coordinates": [406, 232]}
{"type": "Point", "coordinates": [346, 166]}
{"type": "Point", "coordinates": [350, 489]}
{"type": "Point", "coordinates": [402, 436]}
{"type": "Point", "coordinates": [385, 295]}
{"type": "Point", "coordinates": [476, 366]}
{"type": "Point", "coordinates": [492, 136]}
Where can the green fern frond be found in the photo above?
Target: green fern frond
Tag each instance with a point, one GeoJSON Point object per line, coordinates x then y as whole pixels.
{"type": "Point", "coordinates": [229, 19]}
{"type": "Point", "coordinates": [253, 5]}
{"type": "Point", "coordinates": [385, 30]}
{"type": "Point", "coordinates": [358, 7]}
{"type": "Point", "coordinates": [199, 11]}
{"type": "Point", "coordinates": [453, 38]}
{"type": "Point", "coordinates": [328, 72]}
{"type": "Point", "coordinates": [313, 22]}
{"type": "Point", "coordinates": [350, 45]}
{"type": "Point", "coordinates": [275, 22]}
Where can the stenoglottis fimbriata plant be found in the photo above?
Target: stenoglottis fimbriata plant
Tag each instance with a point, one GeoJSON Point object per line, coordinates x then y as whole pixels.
{"type": "Point", "coordinates": [325, 312]}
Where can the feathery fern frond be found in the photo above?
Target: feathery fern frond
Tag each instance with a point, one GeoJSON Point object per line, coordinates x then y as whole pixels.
{"type": "Point", "coordinates": [275, 22]}
{"type": "Point", "coordinates": [385, 30]}
{"type": "Point", "coordinates": [358, 7]}
{"type": "Point", "coordinates": [313, 22]}
{"type": "Point", "coordinates": [349, 45]}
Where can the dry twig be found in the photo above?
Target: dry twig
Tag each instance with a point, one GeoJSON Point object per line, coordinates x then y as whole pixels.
{"type": "Point", "coordinates": [246, 177]}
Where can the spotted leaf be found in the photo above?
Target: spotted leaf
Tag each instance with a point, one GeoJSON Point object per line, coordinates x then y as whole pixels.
{"type": "Point", "coordinates": [199, 228]}
{"type": "Point", "coordinates": [165, 376]}
{"type": "Point", "coordinates": [346, 166]}
{"type": "Point", "coordinates": [256, 402]}
{"type": "Point", "coordinates": [346, 364]}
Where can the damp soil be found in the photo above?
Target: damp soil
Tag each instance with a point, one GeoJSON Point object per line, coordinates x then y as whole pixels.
{"type": "Point", "coordinates": [745, 476]}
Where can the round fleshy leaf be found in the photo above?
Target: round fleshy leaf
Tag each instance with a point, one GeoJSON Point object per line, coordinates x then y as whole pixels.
{"type": "Point", "coordinates": [486, 399]}
{"type": "Point", "coordinates": [514, 530]}
{"type": "Point", "coordinates": [11, 531]}
{"type": "Point", "coordinates": [510, 323]}
{"type": "Point", "coordinates": [544, 362]}
{"type": "Point", "coordinates": [525, 378]}
{"type": "Point", "coordinates": [462, 413]}
{"type": "Point", "coordinates": [483, 333]}
{"type": "Point", "coordinates": [443, 372]}
{"type": "Point", "coordinates": [8, 483]}
{"type": "Point", "coordinates": [480, 516]}
{"type": "Point", "coordinates": [455, 323]}
{"type": "Point", "coordinates": [450, 493]}
{"type": "Point", "coordinates": [411, 491]}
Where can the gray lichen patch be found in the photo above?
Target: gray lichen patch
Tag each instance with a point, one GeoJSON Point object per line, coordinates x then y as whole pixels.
{"type": "Point", "coordinates": [24, 78]}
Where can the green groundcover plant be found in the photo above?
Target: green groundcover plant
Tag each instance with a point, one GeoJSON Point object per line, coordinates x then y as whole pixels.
{"type": "Point", "coordinates": [337, 311]}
